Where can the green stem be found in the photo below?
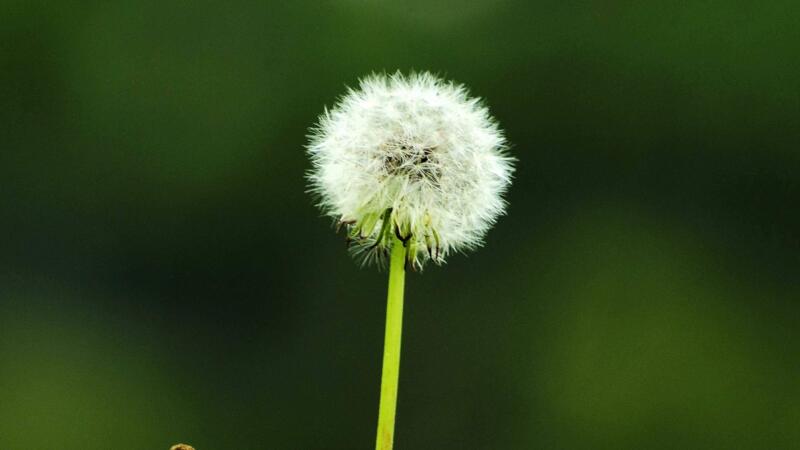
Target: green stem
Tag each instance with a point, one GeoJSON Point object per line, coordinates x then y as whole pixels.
{"type": "Point", "coordinates": [391, 347]}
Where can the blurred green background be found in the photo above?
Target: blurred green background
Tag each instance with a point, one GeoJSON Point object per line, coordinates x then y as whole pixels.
{"type": "Point", "coordinates": [164, 277]}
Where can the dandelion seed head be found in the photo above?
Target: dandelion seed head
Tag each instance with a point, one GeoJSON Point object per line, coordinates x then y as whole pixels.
{"type": "Point", "coordinates": [414, 157]}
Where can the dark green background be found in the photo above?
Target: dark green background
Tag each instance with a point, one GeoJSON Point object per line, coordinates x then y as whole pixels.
{"type": "Point", "coordinates": [164, 277]}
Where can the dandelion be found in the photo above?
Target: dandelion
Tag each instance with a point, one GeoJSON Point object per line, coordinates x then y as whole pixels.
{"type": "Point", "coordinates": [414, 169]}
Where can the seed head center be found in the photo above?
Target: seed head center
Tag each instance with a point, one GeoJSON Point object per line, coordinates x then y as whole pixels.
{"type": "Point", "coordinates": [413, 160]}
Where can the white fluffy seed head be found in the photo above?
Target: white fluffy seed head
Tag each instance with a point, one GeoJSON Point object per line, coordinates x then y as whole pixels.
{"type": "Point", "coordinates": [414, 157]}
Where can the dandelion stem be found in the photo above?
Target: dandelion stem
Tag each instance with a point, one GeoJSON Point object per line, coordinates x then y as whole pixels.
{"type": "Point", "coordinates": [391, 347]}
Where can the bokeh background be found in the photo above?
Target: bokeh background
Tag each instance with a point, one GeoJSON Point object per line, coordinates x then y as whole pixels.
{"type": "Point", "coordinates": [164, 277]}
